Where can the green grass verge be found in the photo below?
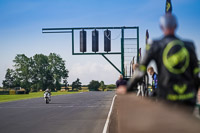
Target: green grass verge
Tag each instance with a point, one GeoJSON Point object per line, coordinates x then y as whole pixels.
{"type": "Point", "coordinates": [7, 98]}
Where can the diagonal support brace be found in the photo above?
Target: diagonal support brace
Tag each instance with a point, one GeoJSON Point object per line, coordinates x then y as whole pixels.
{"type": "Point", "coordinates": [111, 63]}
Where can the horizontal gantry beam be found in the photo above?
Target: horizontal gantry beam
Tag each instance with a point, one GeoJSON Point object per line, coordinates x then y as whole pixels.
{"type": "Point", "coordinates": [88, 28]}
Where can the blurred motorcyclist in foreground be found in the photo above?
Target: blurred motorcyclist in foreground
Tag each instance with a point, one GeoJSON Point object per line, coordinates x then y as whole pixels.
{"type": "Point", "coordinates": [176, 60]}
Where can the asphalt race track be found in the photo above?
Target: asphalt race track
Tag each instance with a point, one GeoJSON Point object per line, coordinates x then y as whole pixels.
{"type": "Point", "coordinates": [72, 113]}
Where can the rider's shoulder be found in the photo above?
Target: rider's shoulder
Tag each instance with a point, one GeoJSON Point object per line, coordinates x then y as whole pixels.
{"type": "Point", "coordinates": [189, 44]}
{"type": "Point", "coordinates": [153, 41]}
{"type": "Point", "coordinates": [153, 44]}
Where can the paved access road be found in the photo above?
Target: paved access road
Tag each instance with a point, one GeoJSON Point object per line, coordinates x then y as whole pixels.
{"type": "Point", "coordinates": [73, 113]}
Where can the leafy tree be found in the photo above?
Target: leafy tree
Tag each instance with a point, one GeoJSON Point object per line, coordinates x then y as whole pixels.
{"type": "Point", "coordinates": [94, 85]}
{"type": "Point", "coordinates": [35, 87]}
{"type": "Point", "coordinates": [9, 79]}
{"type": "Point", "coordinates": [76, 84]}
{"type": "Point", "coordinates": [23, 71]}
{"type": "Point", "coordinates": [58, 70]}
{"type": "Point", "coordinates": [37, 72]}
{"type": "Point", "coordinates": [49, 71]}
{"type": "Point", "coordinates": [102, 85]}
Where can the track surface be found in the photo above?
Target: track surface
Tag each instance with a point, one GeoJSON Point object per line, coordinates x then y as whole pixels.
{"type": "Point", "coordinates": [72, 113]}
{"type": "Point", "coordinates": [132, 114]}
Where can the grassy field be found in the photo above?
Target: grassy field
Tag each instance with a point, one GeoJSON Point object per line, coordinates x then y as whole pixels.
{"type": "Point", "coordinates": [7, 98]}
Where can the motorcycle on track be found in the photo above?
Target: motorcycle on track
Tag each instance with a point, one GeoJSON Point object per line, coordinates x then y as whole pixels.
{"type": "Point", "coordinates": [47, 97]}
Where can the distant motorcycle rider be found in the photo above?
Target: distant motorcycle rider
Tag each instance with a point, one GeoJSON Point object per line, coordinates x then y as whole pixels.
{"type": "Point", "coordinates": [49, 92]}
{"type": "Point", "coordinates": [178, 71]}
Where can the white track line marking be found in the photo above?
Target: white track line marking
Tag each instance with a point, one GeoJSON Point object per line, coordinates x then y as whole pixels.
{"type": "Point", "coordinates": [108, 117]}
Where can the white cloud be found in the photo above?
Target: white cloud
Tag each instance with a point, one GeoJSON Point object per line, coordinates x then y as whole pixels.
{"type": "Point", "coordinates": [93, 71]}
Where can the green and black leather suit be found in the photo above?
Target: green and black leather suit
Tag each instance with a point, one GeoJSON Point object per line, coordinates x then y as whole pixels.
{"type": "Point", "coordinates": [178, 71]}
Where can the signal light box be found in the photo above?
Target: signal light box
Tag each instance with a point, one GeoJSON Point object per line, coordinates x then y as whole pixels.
{"type": "Point", "coordinates": [83, 41]}
{"type": "Point", "coordinates": [107, 40]}
{"type": "Point", "coordinates": [95, 41]}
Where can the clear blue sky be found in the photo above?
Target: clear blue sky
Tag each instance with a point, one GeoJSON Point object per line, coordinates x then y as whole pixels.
{"type": "Point", "coordinates": [21, 22]}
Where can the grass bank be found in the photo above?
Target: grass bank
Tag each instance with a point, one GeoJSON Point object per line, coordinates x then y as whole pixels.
{"type": "Point", "coordinates": [7, 98]}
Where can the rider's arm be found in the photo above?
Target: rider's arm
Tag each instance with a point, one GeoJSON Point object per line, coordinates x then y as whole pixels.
{"type": "Point", "coordinates": [133, 82]}
{"type": "Point", "coordinates": [195, 66]}
{"type": "Point", "coordinates": [151, 51]}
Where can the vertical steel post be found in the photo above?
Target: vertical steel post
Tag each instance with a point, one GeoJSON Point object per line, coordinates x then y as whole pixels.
{"type": "Point", "coordinates": [72, 41]}
{"type": "Point", "coordinates": [138, 45]}
{"type": "Point", "coordinates": [122, 52]}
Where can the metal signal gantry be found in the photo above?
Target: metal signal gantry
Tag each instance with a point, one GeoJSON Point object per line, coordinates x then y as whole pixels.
{"type": "Point", "coordinates": [95, 43]}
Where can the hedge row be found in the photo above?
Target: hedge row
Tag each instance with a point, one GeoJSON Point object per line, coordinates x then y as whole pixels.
{"type": "Point", "coordinates": [11, 92]}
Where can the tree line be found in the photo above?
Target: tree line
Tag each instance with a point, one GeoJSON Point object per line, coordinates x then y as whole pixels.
{"type": "Point", "coordinates": [42, 72]}
{"type": "Point", "coordinates": [37, 72]}
{"type": "Point", "coordinates": [92, 86]}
